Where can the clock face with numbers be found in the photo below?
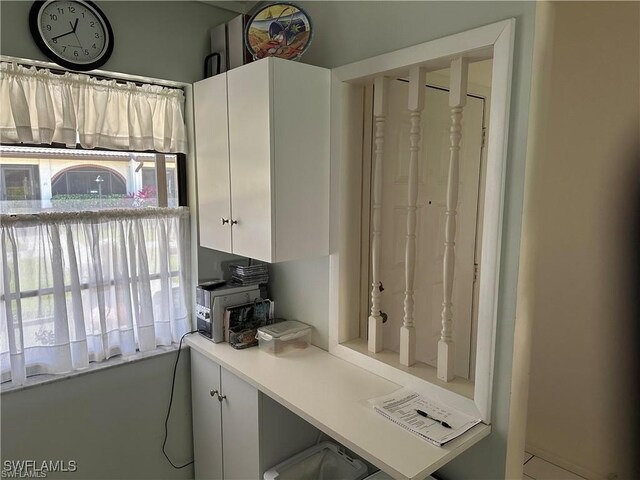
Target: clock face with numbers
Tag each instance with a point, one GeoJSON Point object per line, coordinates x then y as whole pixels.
{"type": "Point", "coordinates": [74, 34]}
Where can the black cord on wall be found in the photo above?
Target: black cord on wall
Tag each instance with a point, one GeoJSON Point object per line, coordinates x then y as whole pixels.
{"type": "Point", "coordinates": [166, 421]}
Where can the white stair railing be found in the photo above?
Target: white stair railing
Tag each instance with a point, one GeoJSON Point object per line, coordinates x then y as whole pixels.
{"type": "Point", "coordinates": [457, 101]}
{"type": "Point", "coordinates": [381, 86]}
{"type": "Point", "coordinates": [416, 105]}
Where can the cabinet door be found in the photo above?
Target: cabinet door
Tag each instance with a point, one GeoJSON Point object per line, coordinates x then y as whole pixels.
{"type": "Point", "coordinates": [250, 150]}
{"type": "Point", "coordinates": [207, 421]}
{"type": "Point", "coordinates": [240, 429]}
{"type": "Point", "coordinates": [212, 160]}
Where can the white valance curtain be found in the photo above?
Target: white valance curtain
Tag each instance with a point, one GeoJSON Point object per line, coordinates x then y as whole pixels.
{"type": "Point", "coordinates": [77, 288]}
{"type": "Point", "coordinates": [38, 106]}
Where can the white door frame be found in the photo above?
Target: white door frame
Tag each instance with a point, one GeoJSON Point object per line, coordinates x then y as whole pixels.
{"type": "Point", "coordinates": [491, 41]}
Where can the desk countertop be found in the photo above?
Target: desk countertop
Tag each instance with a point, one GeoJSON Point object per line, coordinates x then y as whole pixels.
{"type": "Point", "coordinates": [332, 395]}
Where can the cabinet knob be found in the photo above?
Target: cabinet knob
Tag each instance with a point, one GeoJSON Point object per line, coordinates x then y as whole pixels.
{"type": "Point", "coordinates": [234, 222]}
{"type": "Point", "coordinates": [224, 220]}
{"type": "Point", "coordinates": [213, 393]}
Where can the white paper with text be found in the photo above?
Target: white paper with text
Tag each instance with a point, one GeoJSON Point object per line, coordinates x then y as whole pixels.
{"type": "Point", "coordinates": [401, 408]}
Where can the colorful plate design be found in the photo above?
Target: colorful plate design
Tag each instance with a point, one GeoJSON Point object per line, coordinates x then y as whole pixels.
{"type": "Point", "coordinates": [278, 30]}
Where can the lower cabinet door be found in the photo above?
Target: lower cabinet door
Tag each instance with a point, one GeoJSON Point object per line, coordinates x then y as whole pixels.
{"type": "Point", "coordinates": [240, 429]}
{"type": "Point", "coordinates": [207, 421]}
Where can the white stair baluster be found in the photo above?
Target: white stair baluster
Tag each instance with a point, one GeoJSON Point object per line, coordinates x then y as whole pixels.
{"type": "Point", "coordinates": [380, 114]}
{"type": "Point", "coordinates": [457, 100]}
{"type": "Point", "coordinates": [416, 105]}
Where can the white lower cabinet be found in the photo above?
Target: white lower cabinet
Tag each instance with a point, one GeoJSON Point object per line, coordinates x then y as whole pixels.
{"type": "Point", "coordinates": [207, 417]}
{"type": "Point", "coordinates": [239, 433]}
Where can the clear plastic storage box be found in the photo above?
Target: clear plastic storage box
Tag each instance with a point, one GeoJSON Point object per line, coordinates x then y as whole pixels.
{"type": "Point", "coordinates": [325, 461]}
{"type": "Point", "coordinates": [279, 338]}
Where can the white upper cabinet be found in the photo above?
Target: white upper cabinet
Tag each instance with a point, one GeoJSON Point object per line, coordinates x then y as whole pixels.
{"type": "Point", "coordinates": [212, 151]}
{"type": "Point", "coordinates": [262, 146]}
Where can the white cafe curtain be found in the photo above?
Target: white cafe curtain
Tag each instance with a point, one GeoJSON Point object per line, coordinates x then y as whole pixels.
{"type": "Point", "coordinates": [38, 106]}
{"type": "Point", "coordinates": [82, 287]}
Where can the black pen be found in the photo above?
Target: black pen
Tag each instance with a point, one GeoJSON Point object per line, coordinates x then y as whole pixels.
{"type": "Point", "coordinates": [426, 415]}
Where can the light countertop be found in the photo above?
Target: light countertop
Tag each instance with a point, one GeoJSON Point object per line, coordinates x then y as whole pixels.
{"type": "Point", "coordinates": [333, 395]}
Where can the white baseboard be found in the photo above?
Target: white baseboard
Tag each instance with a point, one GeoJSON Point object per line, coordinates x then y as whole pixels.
{"type": "Point", "coordinates": [563, 463]}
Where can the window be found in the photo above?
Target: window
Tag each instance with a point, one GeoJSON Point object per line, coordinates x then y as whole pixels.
{"type": "Point", "coordinates": [62, 179]}
{"type": "Point", "coordinates": [149, 182]}
{"type": "Point", "coordinates": [358, 331]}
{"type": "Point", "coordinates": [19, 183]}
{"type": "Point", "coordinates": [94, 243]}
{"type": "Point", "coordinates": [89, 180]}
{"type": "Point", "coordinates": [149, 178]}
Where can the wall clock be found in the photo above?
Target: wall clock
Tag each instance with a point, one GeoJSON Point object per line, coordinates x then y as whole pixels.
{"type": "Point", "coordinates": [74, 34]}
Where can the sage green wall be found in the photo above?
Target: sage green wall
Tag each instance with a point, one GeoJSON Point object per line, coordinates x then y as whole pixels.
{"type": "Point", "coordinates": [111, 422]}
{"type": "Point", "coordinates": [346, 32]}
{"type": "Point", "coordinates": [167, 40]}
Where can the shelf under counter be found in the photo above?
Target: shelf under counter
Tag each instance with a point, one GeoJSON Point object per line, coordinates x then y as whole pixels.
{"type": "Point", "coordinates": [332, 394]}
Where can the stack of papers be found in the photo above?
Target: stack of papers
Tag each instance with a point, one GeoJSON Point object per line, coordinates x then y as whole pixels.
{"type": "Point", "coordinates": [401, 407]}
{"type": "Point", "coordinates": [249, 274]}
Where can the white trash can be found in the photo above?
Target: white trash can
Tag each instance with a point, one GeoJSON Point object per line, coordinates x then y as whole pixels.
{"type": "Point", "coordinates": [325, 461]}
{"type": "Point", "coordinates": [380, 475]}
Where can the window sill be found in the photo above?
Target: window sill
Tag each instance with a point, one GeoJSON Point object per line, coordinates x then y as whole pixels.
{"type": "Point", "coordinates": [419, 370]}
{"type": "Point", "coordinates": [117, 361]}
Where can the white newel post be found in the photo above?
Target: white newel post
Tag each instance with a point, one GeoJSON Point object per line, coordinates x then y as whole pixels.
{"type": "Point", "coordinates": [416, 104]}
{"type": "Point", "coordinates": [457, 100]}
{"type": "Point", "coordinates": [380, 114]}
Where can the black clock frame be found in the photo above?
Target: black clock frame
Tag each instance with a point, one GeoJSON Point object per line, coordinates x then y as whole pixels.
{"type": "Point", "coordinates": [83, 67]}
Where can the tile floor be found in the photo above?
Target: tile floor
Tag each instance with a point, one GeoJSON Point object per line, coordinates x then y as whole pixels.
{"type": "Point", "coordinates": [536, 468]}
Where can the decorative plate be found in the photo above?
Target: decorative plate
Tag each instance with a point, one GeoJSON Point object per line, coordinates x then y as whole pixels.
{"type": "Point", "coordinates": [278, 30]}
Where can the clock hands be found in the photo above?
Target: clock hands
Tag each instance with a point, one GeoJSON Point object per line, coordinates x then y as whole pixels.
{"type": "Point", "coordinates": [73, 30]}
{"type": "Point", "coordinates": [63, 35]}
{"type": "Point", "coordinates": [74, 26]}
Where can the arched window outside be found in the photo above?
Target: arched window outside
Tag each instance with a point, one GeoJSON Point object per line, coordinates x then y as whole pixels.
{"type": "Point", "coordinates": [88, 179]}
